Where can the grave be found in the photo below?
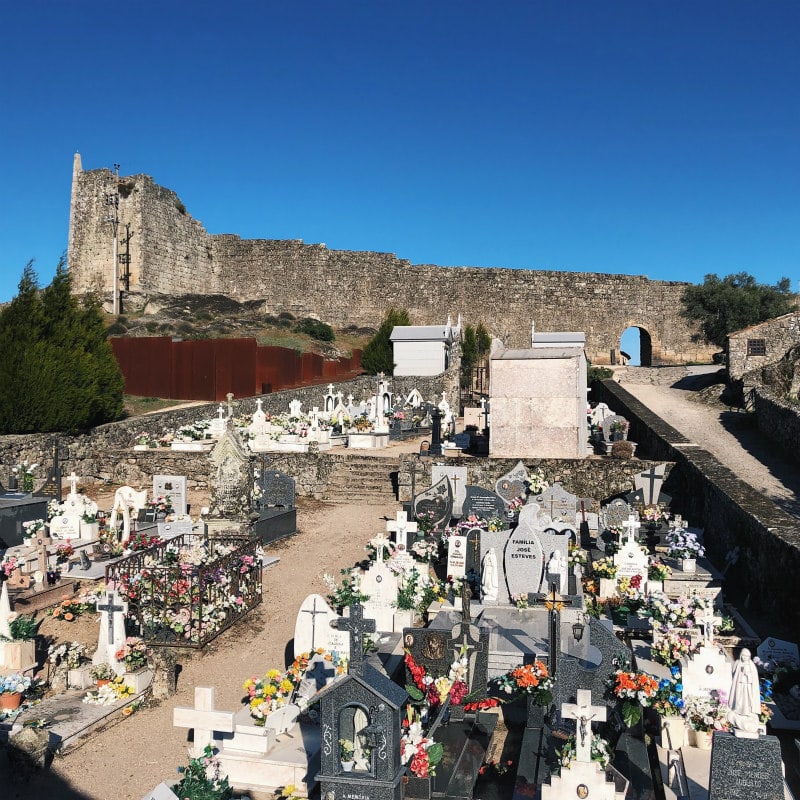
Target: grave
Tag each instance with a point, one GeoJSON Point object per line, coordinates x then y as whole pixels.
{"type": "Point", "coordinates": [630, 559]}
{"type": "Point", "coordinates": [458, 484]}
{"type": "Point", "coordinates": [313, 626]}
{"type": "Point", "coordinates": [513, 485]}
{"type": "Point", "coordinates": [204, 719]}
{"type": "Point", "coordinates": [380, 584]}
{"type": "Point", "coordinates": [746, 768]}
{"type": "Point", "coordinates": [365, 708]}
{"type": "Point", "coordinates": [273, 496]}
{"type": "Point", "coordinates": [434, 504]}
{"type": "Point", "coordinates": [558, 504]}
{"type": "Point", "coordinates": [15, 510]}
{"type": "Point", "coordinates": [230, 478]}
{"type": "Point", "coordinates": [173, 488]}
{"type": "Point", "coordinates": [482, 503]}
{"type": "Point", "coordinates": [779, 651]}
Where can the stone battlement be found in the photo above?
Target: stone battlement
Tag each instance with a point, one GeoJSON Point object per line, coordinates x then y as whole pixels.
{"type": "Point", "coordinates": [172, 253]}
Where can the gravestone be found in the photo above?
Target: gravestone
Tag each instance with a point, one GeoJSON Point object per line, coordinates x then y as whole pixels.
{"type": "Point", "coordinates": [274, 498]}
{"type": "Point", "coordinates": [745, 768]}
{"type": "Point", "coordinates": [778, 651]}
{"type": "Point", "coordinates": [112, 631]}
{"type": "Point", "coordinates": [401, 527]}
{"type": "Point", "coordinates": [475, 643]}
{"type": "Point", "coordinates": [313, 625]}
{"type": "Point", "coordinates": [482, 503]}
{"type": "Point", "coordinates": [513, 484]}
{"type": "Point", "coordinates": [630, 559]}
{"type": "Point", "coordinates": [456, 556]}
{"type": "Point", "coordinates": [706, 671]}
{"type": "Point", "coordinates": [230, 478]}
{"type": "Point", "coordinates": [554, 540]}
{"type": "Point", "coordinates": [608, 422]}
{"type": "Point", "coordinates": [380, 584]}
{"type": "Point", "coordinates": [474, 550]}
{"type": "Point", "coordinates": [558, 504]}
{"type": "Point", "coordinates": [649, 483]}
{"type": "Point", "coordinates": [277, 489]}
{"type": "Point", "coordinates": [458, 484]}
{"type": "Point", "coordinates": [65, 527]}
{"type": "Point", "coordinates": [523, 558]}
{"type": "Point", "coordinates": [436, 503]}
{"type": "Point", "coordinates": [431, 648]}
{"type": "Point", "coordinates": [173, 487]}
{"type": "Point", "coordinates": [614, 514]}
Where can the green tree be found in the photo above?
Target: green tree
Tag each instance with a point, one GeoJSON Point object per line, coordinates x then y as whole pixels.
{"type": "Point", "coordinates": [378, 355]}
{"type": "Point", "coordinates": [60, 373]}
{"type": "Point", "coordinates": [726, 305]}
{"type": "Point", "coordinates": [469, 355]}
{"type": "Point", "coordinates": [483, 341]}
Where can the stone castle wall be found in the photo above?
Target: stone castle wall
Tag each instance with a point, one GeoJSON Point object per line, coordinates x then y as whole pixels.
{"type": "Point", "coordinates": [171, 253]}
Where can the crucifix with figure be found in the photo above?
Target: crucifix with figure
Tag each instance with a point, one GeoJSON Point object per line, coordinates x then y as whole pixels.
{"type": "Point", "coordinates": [631, 526]}
{"type": "Point", "coordinates": [401, 527]}
{"type": "Point", "coordinates": [314, 613]}
{"type": "Point", "coordinates": [584, 713]}
{"type": "Point", "coordinates": [379, 542]}
{"type": "Point", "coordinates": [553, 602]}
{"type": "Point", "coordinates": [357, 626]}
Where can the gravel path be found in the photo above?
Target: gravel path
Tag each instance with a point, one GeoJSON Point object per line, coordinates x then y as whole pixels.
{"type": "Point", "coordinates": [728, 435]}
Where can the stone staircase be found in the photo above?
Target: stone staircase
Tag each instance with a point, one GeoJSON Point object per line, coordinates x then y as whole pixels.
{"type": "Point", "coordinates": [360, 479]}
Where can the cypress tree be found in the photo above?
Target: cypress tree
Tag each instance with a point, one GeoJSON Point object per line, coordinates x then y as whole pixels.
{"type": "Point", "coordinates": [378, 355]}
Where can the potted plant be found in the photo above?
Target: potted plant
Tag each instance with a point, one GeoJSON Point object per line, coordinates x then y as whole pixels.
{"type": "Point", "coordinates": [12, 689]}
{"type": "Point", "coordinates": [605, 570]}
{"type": "Point", "coordinates": [685, 546]}
{"type": "Point", "coordinates": [706, 715]}
{"type": "Point", "coordinates": [133, 654]}
{"type": "Point", "coordinates": [347, 754]}
{"type": "Point", "coordinates": [669, 704]}
{"type": "Point", "coordinates": [202, 779]}
{"type": "Point", "coordinates": [618, 430]}
{"type": "Point", "coordinates": [19, 652]}
{"type": "Point", "coordinates": [525, 681]}
{"type": "Point", "coordinates": [637, 690]}
{"type": "Point", "coordinates": [102, 674]}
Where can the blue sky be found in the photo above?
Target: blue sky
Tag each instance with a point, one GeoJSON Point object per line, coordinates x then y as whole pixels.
{"type": "Point", "coordinates": [656, 138]}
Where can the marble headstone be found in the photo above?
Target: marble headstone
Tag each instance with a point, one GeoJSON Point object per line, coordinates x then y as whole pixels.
{"type": "Point", "coordinates": [778, 650]}
{"type": "Point", "coordinates": [524, 558]}
{"type": "Point", "coordinates": [750, 768]}
{"type": "Point", "coordinates": [313, 625]}
{"type": "Point", "coordinates": [172, 487]}
{"type": "Point", "coordinates": [558, 504]}
{"type": "Point", "coordinates": [437, 502]}
{"type": "Point", "coordinates": [482, 503]}
{"type": "Point", "coordinates": [457, 556]}
{"type": "Point", "coordinates": [513, 484]}
{"type": "Point", "coordinates": [380, 584]}
{"type": "Point", "coordinates": [458, 484]}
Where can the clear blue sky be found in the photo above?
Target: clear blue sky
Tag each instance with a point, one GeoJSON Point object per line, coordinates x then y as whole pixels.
{"type": "Point", "coordinates": [656, 138]}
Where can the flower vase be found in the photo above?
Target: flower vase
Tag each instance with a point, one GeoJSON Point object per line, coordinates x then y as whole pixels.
{"type": "Point", "coordinates": [138, 679]}
{"type": "Point", "coordinates": [347, 766]}
{"type": "Point", "coordinates": [673, 732]}
{"type": "Point", "coordinates": [688, 564]}
{"type": "Point", "coordinates": [702, 740]}
{"type": "Point", "coordinates": [10, 701]}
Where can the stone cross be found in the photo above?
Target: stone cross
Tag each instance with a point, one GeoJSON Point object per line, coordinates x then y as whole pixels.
{"type": "Point", "coordinates": [583, 712]}
{"type": "Point", "coordinates": [652, 481]}
{"type": "Point", "coordinates": [631, 526]}
{"type": "Point", "coordinates": [378, 543]}
{"type": "Point", "coordinates": [357, 626]}
{"type": "Point", "coordinates": [42, 541]}
{"type": "Point", "coordinates": [330, 389]}
{"type": "Point", "coordinates": [204, 719]}
{"type": "Point", "coordinates": [401, 527]}
{"type": "Point", "coordinates": [110, 609]}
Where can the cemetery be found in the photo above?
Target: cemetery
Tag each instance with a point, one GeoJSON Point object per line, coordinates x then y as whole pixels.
{"type": "Point", "coordinates": [545, 626]}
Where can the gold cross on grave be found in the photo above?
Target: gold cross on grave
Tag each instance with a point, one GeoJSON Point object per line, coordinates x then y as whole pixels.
{"type": "Point", "coordinates": [553, 601]}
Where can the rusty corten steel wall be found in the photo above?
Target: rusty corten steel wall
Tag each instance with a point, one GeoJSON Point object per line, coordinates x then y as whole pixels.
{"type": "Point", "coordinates": [207, 369]}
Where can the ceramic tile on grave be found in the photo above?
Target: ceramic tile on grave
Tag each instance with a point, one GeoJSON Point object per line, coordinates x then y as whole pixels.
{"type": "Point", "coordinates": [458, 484]}
{"type": "Point", "coordinates": [456, 556]}
{"type": "Point", "coordinates": [431, 648]}
{"type": "Point", "coordinates": [513, 484]}
{"type": "Point", "coordinates": [436, 503]}
{"type": "Point", "coordinates": [707, 670]}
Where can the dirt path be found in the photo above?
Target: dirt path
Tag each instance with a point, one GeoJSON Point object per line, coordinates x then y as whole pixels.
{"type": "Point", "coordinates": [728, 435]}
{"type": "Point", "coordinates": [129, 759]}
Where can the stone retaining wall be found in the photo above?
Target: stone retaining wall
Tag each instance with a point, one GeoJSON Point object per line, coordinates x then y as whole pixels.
{"type": "Point", "coordinates": [732, 513]}
{"type": "Point", "coordinates": [778, 420]}
{"type": "Point", "coordinates": [657, 376]}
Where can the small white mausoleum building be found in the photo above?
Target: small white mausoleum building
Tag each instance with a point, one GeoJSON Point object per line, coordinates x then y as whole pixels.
{"type": "Point", "coordinates": [539, 398]}
{"type": "Point", "coordinates": [423, 349]}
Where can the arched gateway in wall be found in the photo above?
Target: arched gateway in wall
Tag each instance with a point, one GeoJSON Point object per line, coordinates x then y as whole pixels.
{"type": "Point", "coordinates": [170, 253]}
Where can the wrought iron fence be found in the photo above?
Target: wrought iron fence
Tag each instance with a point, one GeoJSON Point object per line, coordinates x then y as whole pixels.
{"type": "Point", "coordinates": [188, 590]}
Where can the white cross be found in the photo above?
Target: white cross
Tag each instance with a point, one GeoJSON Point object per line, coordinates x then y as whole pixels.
{"type": "Point", "coordinates": [631, 526]}
{"type": "Point", "coordinates": [73, 483]}
{"type": "Point", "coordinates": [330, 389]}
{"type": "Point", "coordinates": [583, 712]}
{"type": "Point", "coordinates": [401, 527]}
{"type": "Point", "coordinates": [204, 719]}
{"type": "Point", "coordinates": [378, 543]}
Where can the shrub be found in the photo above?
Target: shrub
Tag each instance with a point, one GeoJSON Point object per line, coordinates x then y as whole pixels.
{"type": "Point", "coordinates": [316, 329]}
{"type": "Point", "coordinates": [622, 450]}
{"type": "Point", "coordinates": [599, 374]}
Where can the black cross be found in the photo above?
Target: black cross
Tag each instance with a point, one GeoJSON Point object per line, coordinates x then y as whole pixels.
{"type": "Point", "coordinates": [553, 602]}
{"type": "Point", "coordinates": [357, 626]}
{"type": "Point", "coordinates": [651, 478]}
{"type": "Point", "coordinates": [110, 608]}
{"type": "Point", "coordinates": [313, 611]}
